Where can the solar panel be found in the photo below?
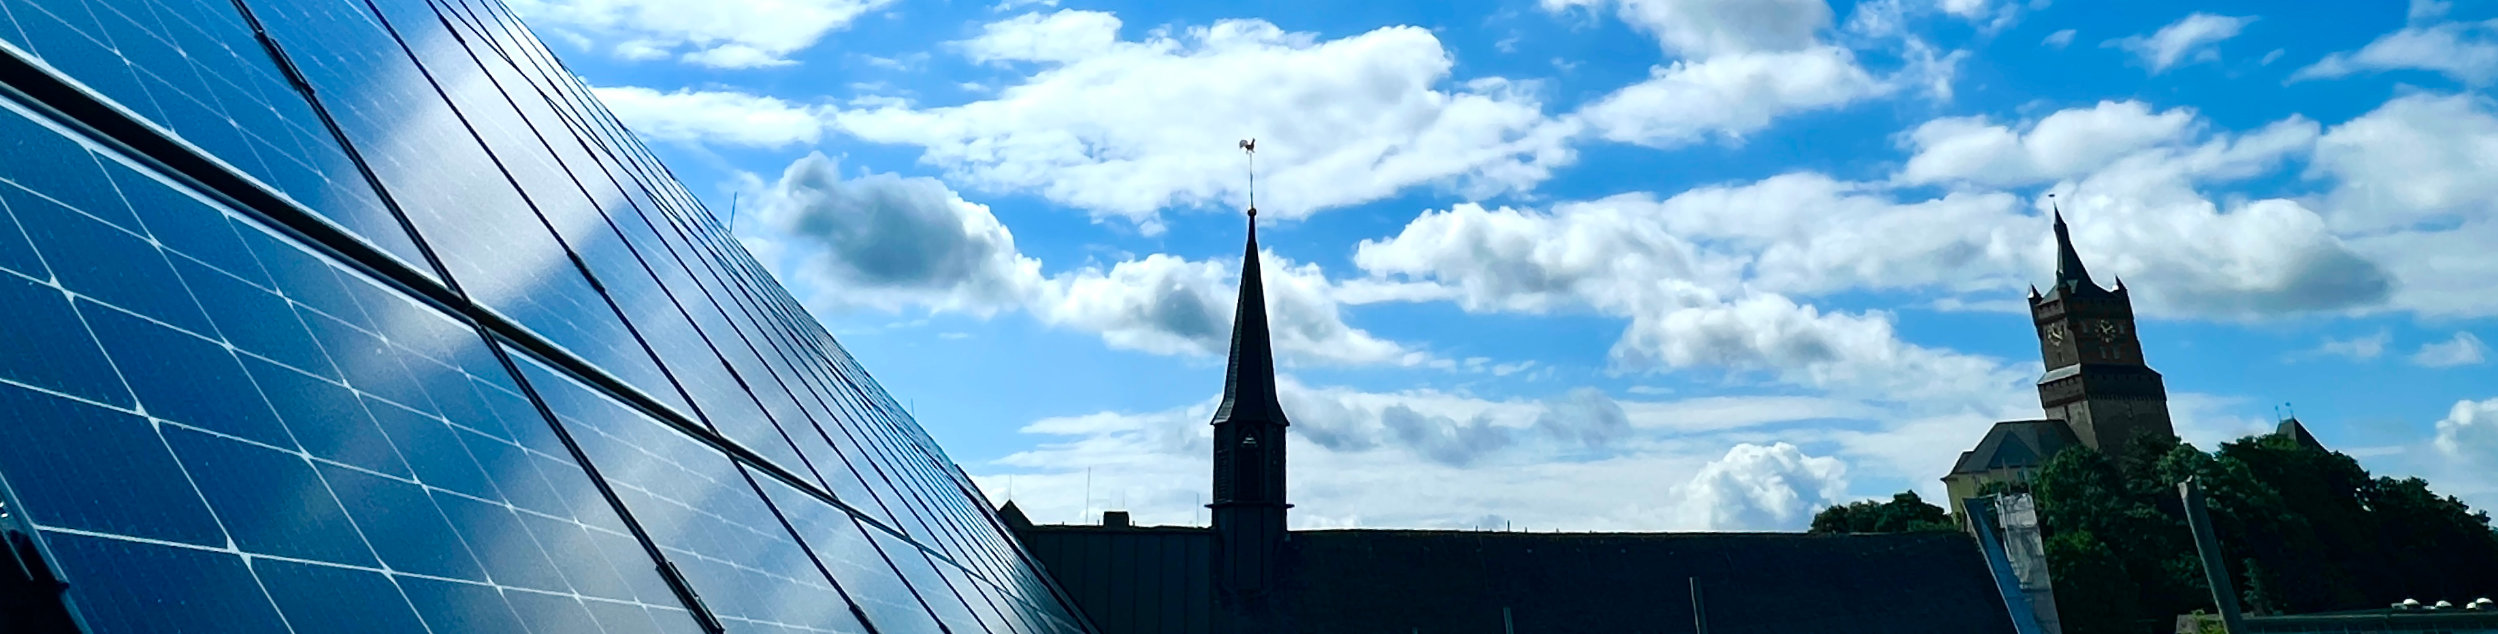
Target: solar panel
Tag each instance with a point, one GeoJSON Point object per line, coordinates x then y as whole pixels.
{"type": "Point", "coordinates": [516, 380]}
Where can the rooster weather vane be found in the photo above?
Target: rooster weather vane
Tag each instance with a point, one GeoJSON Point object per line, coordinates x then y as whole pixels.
{"type": "Point", "coordinates": [1250, 148]}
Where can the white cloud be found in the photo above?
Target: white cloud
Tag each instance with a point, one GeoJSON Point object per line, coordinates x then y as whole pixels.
{"type": "Point", "coordinates": [1057, 37]}
{"type": "Point", "coordinates": [2466, 52]}
{"type": "Point", "coordinates": [890, 243]}
{"type": "Point", "coordinates": [886, 242]}
{"type": "Point", "coordinates": [1701, 28]}
{"type": "Point", "coordinates": [2189, 39]}
{"type": "Point", "coordinates": [2061, 145]}
{"type": "Point", "coordinates": [2405, 182]}
{"type": "Point", "coordinates": [1729, 95]}
{"type": "Point", "coordinates": [2470, 432]}
{"type": "Point", "coordinates": [1168, 305]}
{"type": "Point", "coordinates": [2463, 349]}
{"type": "Point", "coordinates": [730, 118]}
{"type": "Point", "coordinates": [1753, 487]}
{"type": "Point", "coordinates": [2059, 39]}
{"type": "Point", "coordinates": [2362, 348]}
{"type": "Point", "coordinates": [1963, 8]}
{"type": "Point", "coordinates": [719, 35]}
{"type": "Point", "coordinates": [1120, 129]}
{"type": "Point", "coordinates": [1422, 458]}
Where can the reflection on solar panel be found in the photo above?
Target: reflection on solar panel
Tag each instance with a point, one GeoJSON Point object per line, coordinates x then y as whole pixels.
{"type": "Point", "coordinates": [350, 316]}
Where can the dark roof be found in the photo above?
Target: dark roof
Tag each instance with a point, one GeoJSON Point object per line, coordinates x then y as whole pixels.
{"type": "Point", "coordinates": [2297, 432]}
{"type": "Point", "coordinates": [2014, 444]}
{"type": "Point", "coordinates": [1152, 579]}
{"type": "Point", "coordinates": [1249, 381]}
{"type": "Point", "coordinates": [1791, 583]}
{"type": "Point", "coordinates": [2071, 277]}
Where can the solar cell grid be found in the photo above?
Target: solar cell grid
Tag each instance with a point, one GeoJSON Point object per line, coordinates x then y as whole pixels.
{"type": "Point", "coordinates": [300, 446]}
{"type": "Point", "coordinates": [210, 484]}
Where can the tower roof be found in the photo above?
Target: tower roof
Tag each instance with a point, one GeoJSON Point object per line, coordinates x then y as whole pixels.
{"type": "Point", "coordinates": [2071, 277]}
{"type": "Point", "coordinates": [1249, 380]}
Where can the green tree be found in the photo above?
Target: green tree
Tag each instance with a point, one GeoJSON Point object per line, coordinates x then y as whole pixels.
{"type": "Point", "coordinates": [1905, 512]}
{"type": "Point", "coordinates": [2094, 593]}
{"type": "Point", "coordinates": [2303, 529]}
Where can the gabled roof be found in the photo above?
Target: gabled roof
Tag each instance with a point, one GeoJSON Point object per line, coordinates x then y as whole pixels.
{"type": "Point", "coordinates": [2015, 444]}
{"type": "Point", "coordinates": [1249, 380]}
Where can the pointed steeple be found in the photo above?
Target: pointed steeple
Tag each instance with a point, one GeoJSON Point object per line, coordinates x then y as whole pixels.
{"type": "Point", "coordinates": [2070, 275]}
{"type": "Point", "coordinates": [1249, 381]}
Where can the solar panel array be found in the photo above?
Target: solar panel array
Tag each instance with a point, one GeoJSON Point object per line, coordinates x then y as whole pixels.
{"type": "Point", "coordinates": [350, 316]}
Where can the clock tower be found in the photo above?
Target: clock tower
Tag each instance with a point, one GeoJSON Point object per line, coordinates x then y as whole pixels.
{"type": "Point", "coordinates": [2096, 381]}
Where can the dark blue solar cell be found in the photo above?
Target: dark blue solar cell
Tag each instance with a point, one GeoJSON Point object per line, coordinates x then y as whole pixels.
{"type": "Point", "coordinates": [85, 467]}
{"type": "Point", "coordinates": [551, 612]}
{"type": "Point", "coordinates": [79, 55]}
{"type": "Point", "coordinates": [185, 379]}
{"type": "Point", "coordinates": [433, 449]}
{"type": "Point", "coordinates": [328, 421]}
{"type": "Point", "coordinates": [46, 345]}
{"type": "Point", "coordinates": [333, 600]}
{"type": "Point", "coordinates": [370, 364]}
{"type": "Point", "coordinates": [840, 548]}
{"type": "Point", "coordinates": [185, 224]}
{"type": "Point", "coordinates": [105, 263]}
{"type": "Point", "coordinates": [455, 396]}
{"type": "Point", "coordinates": [467, 608]}
{"type": "Point", "coordinates": [400, 520]}
{"type": "Point", "coordinates": [136, 588]}
{"type": "Point", "coordinates": [923, 577]}
{"type": "Point", "coordinates": [626, 618]}
{"type": "Point", "coordinates": [511, 556]}
{"type": "Point", "coordinates": [271, 502]}
{"type": "Point", "coordinates": [16, 254]}
{"type": "Point", "coordinates": [255, 320]}
{"type": "Point", "coordinates": [301, 276]}
{"type": "Point", "coordinates": [515, 473]}
{"type": "Point", "coordinates": [578, 556]}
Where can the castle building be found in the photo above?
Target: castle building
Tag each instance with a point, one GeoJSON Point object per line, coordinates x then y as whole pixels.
{"type": "Point", "coordinates": [1248, 573]}
{"type": "Point", "coordinates": [2098, 391]}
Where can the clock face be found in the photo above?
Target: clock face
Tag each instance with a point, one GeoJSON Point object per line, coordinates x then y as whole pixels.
{"type": "Point", "coordinates": [2108, 331]}
{"type": "Point", "coordinates": [2055, 333]}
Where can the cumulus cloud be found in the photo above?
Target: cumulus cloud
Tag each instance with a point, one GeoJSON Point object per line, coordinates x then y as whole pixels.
{"type": "Point", "coordinates": [891, 243]}
{"type": "Point", "coordinates": [1700, 28]}
{"type": "Point", "coordinates": [2194, 38]}
{"type": "Point", "coordinates": [884, 241]}
{"type": "Point", "coordinates": [2061, 145]}
{"type": "Point", "coordinates": [2404, 182]}
{"type": "Point", "coordinates": [722, 117]}
{"type": "Point", "coordinates": [1422, 458]}
{"type": "Point", "coordinates": [2466, 52]}
{"type": "Point", "coordinates": [1118, 127]}
{"type": "Point", "coordinates": [2463, 349]}
{"type": "Point", "coordinates": [1729, 95]}
{"type": "Point", "coordinates": [718, 35]}
{"type": "Point", "coordinates": [1758, 487]}
{"type": "Point", "coordinates": [2470, 432]}
{"type": "Point", "coordinates": [1169, 305]}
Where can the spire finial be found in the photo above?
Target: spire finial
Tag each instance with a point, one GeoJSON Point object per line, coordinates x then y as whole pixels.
{"type": "Point", "coordinates": [2070, 275]}
{"type": "Point", "coordinates": [1250, 147]}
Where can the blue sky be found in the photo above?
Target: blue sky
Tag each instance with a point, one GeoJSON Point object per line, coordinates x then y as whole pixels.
{"type": "Point", "coordinates": [1591, 264]}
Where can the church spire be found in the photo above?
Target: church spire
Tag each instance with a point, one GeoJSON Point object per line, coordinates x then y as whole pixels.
{"type": "Point", "coordinates": [1249, 381]}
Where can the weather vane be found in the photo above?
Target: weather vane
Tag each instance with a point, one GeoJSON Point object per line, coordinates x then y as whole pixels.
{"type": "Point", "coordinates": [1250, 147]}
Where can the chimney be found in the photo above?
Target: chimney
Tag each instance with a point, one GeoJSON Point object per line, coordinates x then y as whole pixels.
{"type": "Point", "coordinates": [1114, 519]}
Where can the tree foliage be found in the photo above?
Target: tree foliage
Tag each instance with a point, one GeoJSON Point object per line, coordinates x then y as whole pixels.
{"type": "Point", "coordinates": [2303, 530]}
{"type": "Point", "coordinates": [1904, 513]}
